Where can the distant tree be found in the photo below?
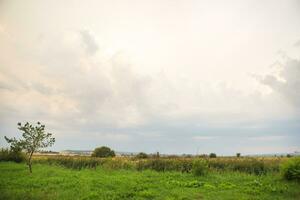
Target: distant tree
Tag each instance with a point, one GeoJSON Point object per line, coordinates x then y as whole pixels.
{"type": "Point", "coordinates": [142, 155]}
{"type": "Point", "coordinates": [288, 155]}
{"type": "Point", "coordinates": [33, 139]}
{"type": "Point", "coordinates": [212, 155]}
{"type": "Point", "coordinates": [103, 152]}
{"type": "Point", "coordinates": [238, 155]}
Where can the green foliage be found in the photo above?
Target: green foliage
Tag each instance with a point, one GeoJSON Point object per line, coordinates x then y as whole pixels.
{"type": "Point", "coordinates": [54, 182]}
{"type": "Point", "coordinates": [212, 155]}
{"type": "Point", "coordinates": [291, 169]}
{"type": "Point", "coordinates": [142, 155]}
{"type": "Point", "coordinates": [255, 166]}
{"type": "Point", "coordinates": [161, 165]}
{"type": "Point", "coordinates": [82, 162]}
{"type": "Point", "coordinates": [112, 163]}
{"type": "Point", "coordinates": [238, 155]}
{"type": "Point", "coordinates": [251, 166]}
{"type": "Point", "coordinates": [70, 162]}
{"type": "Point", "coordinates": [11, 155]}
{"type": "Point", "coordinates": [103, 152]}
{"type": "Point", "coordinates": [33, 139]}
{"type": "Point", "coordinates": [200, 167]}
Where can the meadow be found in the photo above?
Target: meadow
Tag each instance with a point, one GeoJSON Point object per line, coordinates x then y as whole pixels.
{"type": "Point", "coordinates": [66, 177]}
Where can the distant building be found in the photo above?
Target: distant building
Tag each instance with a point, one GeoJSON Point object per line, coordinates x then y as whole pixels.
{"type": "Point", "coordinates": [76, 152]}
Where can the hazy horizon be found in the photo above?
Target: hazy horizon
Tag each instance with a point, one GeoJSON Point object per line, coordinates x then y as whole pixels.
{"type": "Point", "coordinates": [146, 76]}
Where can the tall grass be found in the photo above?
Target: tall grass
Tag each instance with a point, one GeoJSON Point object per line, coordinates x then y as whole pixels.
{"type": "Point", "coordinates": [257, 166]}
{"type": "Point", "coordinates": [291, 169]}
{"type": "Point", "coordinates": [249, 165]}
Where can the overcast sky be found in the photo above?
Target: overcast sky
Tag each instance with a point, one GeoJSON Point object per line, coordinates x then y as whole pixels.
{"type": "Point", "coordinates": [188, 76]}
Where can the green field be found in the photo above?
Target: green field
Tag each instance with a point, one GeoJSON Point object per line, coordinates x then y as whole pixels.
{"type": "Point", "coordinates": [56, 182]}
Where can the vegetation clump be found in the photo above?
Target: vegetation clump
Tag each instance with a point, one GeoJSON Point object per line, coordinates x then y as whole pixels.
{"type": "Point", "coordinates": [212, 155]}
{"type": "Point", "coordinates": [12, 155]}
{"type": "Point", "coordinates": [290, 169]}
{"type": "Point", "coordinates": [142, 155]}
{"type": "Point", "coordinates": [103, 152]}
{"type": "Point", "coordinates": [200, 167]}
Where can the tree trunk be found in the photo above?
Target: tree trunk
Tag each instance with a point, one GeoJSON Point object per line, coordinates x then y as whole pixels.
{"type": "Point", "coordinates": [29, 162]}
{"type": "Point", "coordinates": [30, 170]}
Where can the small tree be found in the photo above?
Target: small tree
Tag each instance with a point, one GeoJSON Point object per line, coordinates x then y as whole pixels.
{"type": "Point", "coordinates": [141, 155]}
{"type": "Point", "coordinates": [238, 155]}
{"type": "Point", "coordinates": [212, 155]}
{"type": "Point", "coordinates": [34, 138]}
{"type": "Point", "coordinates": [103, 152]}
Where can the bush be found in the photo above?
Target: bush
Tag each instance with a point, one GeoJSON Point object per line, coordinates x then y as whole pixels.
{"type": "Point", "coordinates": [212, 155]}
{"type": "Point", "coordinates": [103, 152]}
{"type": "Point", "coordinates": [291, 169]}
{"type": "Point", "coordinates": [200, 167]}
{"type": "Point", "coordinates": [10, 155]}
{"type": "Point", "coordinates": [141, 155]}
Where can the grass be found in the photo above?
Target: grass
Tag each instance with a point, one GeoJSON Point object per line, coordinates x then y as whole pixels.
{"type": "Point", "coordinates": [256, 166]}
{"type": "Point", "coordinates": [56, 182]}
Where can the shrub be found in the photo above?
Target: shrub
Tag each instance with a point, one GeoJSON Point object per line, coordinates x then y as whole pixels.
{"type": "Point", "coordinates": [291, 169]}
{"type": "Point", "coordinates": [103, 152]}
{"type": "Point", "coordinates": [141, 155]}
{"type": "Point", "coordinates": [200, 167]}
{"type": "Point", "coordinates": [4, 155]}
{"type": "Point", "coordinates": [212, 155]}
{"type": "Point", "coordinates": [238, 155]}
{"type": "Point", "coordinates": [10, 155]}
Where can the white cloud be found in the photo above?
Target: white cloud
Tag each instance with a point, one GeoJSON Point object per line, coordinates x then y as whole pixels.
{"type": "Point", "coordinates": [268, 138]}
{"type": "Point", "coordinates": [203, 138]}
{"type": "Point", "coordinates": [144, 76]}
{"type": "Point", "coordinates": [287, 84]}
{"type": "Point", "coordinates": [297, 44]}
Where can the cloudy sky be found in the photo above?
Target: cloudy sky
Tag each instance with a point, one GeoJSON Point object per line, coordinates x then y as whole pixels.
{"type": "Point", "coordinates": [172, 76]}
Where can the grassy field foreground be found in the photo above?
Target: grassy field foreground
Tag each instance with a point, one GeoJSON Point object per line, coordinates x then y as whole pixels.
{"type": "Point", "coordinates": [54, 182]}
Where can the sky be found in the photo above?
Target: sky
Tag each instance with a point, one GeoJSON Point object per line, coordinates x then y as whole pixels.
{"type": "Point", "coordinates": [173, 76]}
